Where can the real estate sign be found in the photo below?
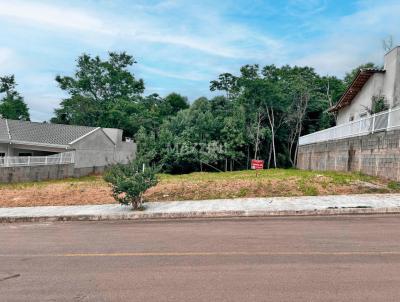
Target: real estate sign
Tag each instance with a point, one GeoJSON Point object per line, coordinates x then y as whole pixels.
{"type": "Point", "coordinates": [257, 164]}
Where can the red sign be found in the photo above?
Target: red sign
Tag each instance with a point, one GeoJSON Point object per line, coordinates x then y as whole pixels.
{"type": "Point", "coordinates": [257, 164]}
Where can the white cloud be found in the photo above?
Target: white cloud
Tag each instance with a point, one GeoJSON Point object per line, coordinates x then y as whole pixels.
{"type": "Point", "coordinates": [191, 42]}
{"type": "Point", "coordinates": [5, 55]}
{"type": "Point", "coordinates": [191, 76]}
{"type": "Point", "coordinates": [305, 8]}
{"type": "Point", "coordinates": [217, 37]}
{"type": "Point", "coordinates": [353, 39]}
{"type": "Point", "coordinates": [50, 15]}
{"type": "Point", "coordinates": [9, 61]}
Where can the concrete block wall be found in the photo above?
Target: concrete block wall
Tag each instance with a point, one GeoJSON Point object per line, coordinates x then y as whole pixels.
{"type": "Point", "coordinates": [376, 154]}
{"type": "Point", "coordinates": [35, 173]}
{"type": "Point", "coordinates": [38, 173]}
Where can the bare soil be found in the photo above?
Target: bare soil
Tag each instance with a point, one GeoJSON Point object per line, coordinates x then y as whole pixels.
{"type": "Point", "coordinates": [196, 186]}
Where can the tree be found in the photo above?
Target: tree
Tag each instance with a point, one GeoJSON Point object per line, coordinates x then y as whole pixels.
{"type": "Point", "coordinates": [262, 93]}
{"type": "Point", "coordinates": [12, 105]}
{"type": "Point", "coordinates": [301, 85]}
{"type": "Point", "coordinates": [100, 92]}
{"type": "Point", "coordinates": [130, 182]}
{"type": "Point", "coordinates": [173, 103]}
{"type": "Point", "coordinates": [228, 83]}
{"type": "Point", "coordinates": [350, 76]}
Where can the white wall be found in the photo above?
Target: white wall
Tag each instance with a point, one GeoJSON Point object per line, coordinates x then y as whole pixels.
{"type": "Point", "coordinates": [391, 84]}
{"type": "Point", "coordinates": [385, 84]}
{"type": "Point", "coordinates": [373, 87]}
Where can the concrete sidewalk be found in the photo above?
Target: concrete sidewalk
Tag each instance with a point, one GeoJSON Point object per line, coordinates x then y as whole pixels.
{"type": "Point", "coordinates": [244, 207]}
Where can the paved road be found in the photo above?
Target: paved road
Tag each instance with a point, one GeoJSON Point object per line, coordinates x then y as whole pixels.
{"type": "Point", "coordinates": [274, 259]}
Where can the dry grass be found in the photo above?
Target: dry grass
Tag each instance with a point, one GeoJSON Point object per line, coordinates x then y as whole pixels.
{"type": "Point", "coordinates": [197, 186]}
{"type": "Point", "coordinates": [86, 190]}
{"type": "Point", "coordinates": [268, 183]}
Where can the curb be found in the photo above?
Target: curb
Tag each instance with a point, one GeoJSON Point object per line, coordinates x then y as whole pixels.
{"type": "Point", "coordinates": [140, 216]}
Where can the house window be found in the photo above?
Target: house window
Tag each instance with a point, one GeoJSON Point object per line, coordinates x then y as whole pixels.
{"type": "Point", "coordinates": [351, 118]}
{"type": "Point", "coordinates": [25, 154]}
{"type": "Point", "coordinates": [2, 154]}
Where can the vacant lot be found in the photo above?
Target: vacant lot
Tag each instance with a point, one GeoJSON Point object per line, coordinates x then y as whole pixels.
{"type": "Point", "coordinates": [278, 182]}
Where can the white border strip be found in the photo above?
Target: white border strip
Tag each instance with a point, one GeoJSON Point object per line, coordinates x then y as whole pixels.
{"type": "Point", "coordinates": [79, 138]}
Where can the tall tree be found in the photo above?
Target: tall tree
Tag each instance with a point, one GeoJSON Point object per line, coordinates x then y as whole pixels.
{"type": "Point", "coordinates": [98, 88]}
{"type": "Point", "coordinates": [12, 105]}
{"type": "Point", "coordinates": [228, 83]}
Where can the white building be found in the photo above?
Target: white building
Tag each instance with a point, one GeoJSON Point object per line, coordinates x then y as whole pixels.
{"type": "Point", "coordinates": [25, 143]}
{"type": "Point", "coordinates": [369, 85]}
{"type": "Point", "coordinates": [355, 114]}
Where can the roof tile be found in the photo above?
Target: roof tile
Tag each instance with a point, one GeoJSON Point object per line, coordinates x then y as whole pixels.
{"type": "Point", "coordinates": [43, 133]}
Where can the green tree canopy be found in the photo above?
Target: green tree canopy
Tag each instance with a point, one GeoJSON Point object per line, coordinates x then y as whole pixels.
{"type": "Point", "coordinates": [12, 105]}
{"type": "Point", "coordinates": [349, 77]}
{"type": "Point", "coordinates": [101, 93]}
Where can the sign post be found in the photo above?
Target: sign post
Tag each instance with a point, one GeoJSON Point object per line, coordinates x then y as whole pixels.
{"type": "Point", "coordinates": [257, 164]}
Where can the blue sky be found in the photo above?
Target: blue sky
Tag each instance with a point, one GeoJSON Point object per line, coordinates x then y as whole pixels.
{"type": "Point", "coordinates": [182, 45]}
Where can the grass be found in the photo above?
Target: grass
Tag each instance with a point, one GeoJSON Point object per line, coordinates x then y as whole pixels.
{"type": "Point", "coordinates": [272, 182]}
{"type": "Point", "coordinates": [197, 186]}
{"type": "Point", "coordinates": [282, 174]}
{"type": "Point", "coordinates": [272, 174]}
{"type": "Point", "coordinates": [394, 185]}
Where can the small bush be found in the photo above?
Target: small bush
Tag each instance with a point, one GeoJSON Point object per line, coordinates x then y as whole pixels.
{"type": "Point", "coordinates": [394, 185]}
{"type": "Point", "coordinates": [129, 182]}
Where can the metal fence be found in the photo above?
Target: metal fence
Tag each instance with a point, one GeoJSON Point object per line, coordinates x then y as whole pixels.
{"type": "Point", "coordinates": [56, 159]}
{"type": "Point", "coordinates": [377, 122]}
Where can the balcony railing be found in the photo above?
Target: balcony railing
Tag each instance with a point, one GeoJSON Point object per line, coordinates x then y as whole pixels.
{"type": "Point", "coordinates": [56, 159]}
{"type": "Point", "coordinates": [384, 120]}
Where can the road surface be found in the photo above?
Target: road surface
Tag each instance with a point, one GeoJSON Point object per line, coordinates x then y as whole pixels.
{"type": "Point", "coordinates": [275, 259]}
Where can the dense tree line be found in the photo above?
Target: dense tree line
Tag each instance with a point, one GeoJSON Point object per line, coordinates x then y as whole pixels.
{"type": "Point", "coordinates": [260, 113]}
{"type": "Point", "coordinates": [107, 94]}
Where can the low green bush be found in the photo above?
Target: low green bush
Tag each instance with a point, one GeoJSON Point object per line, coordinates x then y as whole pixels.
{"type": "Point", "coordinates": [394, 185]}
{"type": "Point", "coordinates": [129, 182]}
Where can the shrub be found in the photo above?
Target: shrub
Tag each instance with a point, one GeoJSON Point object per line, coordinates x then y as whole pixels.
{"type": "Point", "coordinates": [129, 182]}
{"type": "Point", "coordinates": [394, 185]}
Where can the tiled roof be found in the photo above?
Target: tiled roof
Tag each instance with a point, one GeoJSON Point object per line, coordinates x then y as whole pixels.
{"type": "Point", "coordinates": [361, 78]}
{"type": "Point", "coordinates": [42, 133]}
{"type": "Point", "coordinates": [3, 130]}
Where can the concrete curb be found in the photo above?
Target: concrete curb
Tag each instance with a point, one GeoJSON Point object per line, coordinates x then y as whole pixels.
{"type": "Point", "coordinates": [139, 216]}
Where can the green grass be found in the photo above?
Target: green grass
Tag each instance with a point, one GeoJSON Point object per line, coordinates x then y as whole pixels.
{"type": "Point", "coordinates": [276, 174]}
{"type": "Point", "coordinates": [272, 174]}
{"type": "Point", "coordinates": [200, 186]}
{"type": "Point", "coordinates": [272, 182]}
{"type": "Point", "coordinates": [394, 185]}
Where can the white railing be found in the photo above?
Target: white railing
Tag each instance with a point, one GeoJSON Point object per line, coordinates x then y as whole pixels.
{"type": "Point", "coordinates": [384, 120]}
{"type": "Point", "coordinates": [56, 159]}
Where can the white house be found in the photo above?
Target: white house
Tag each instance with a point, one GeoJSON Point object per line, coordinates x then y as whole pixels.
{"type": "Point", "coordinates": [25, 143]}
{"type": "Point", "coordinates": [366, 138]}
{"type": "Point", "coordinates": [369, 85]}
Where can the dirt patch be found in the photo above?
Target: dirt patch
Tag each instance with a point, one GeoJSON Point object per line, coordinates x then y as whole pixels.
{"type": "Point", "coordinates": [255, 188]}
{"type": "Point", "coordinates": [197, 186]}
{"type": "Point", "coordinates": [56, 194]}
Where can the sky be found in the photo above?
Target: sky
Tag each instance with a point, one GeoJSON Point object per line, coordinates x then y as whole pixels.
{"type": "Point", "coordinates": [180, 46]}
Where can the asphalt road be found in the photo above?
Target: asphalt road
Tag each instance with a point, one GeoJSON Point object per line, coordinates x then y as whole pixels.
{"type": "Point", "coordinates": [275, 259]}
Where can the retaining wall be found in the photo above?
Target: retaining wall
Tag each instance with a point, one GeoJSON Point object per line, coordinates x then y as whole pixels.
{"type": "Point", "coordinates": [37, 173]}
{"type": "Point", "coordinates": [376, 154]}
